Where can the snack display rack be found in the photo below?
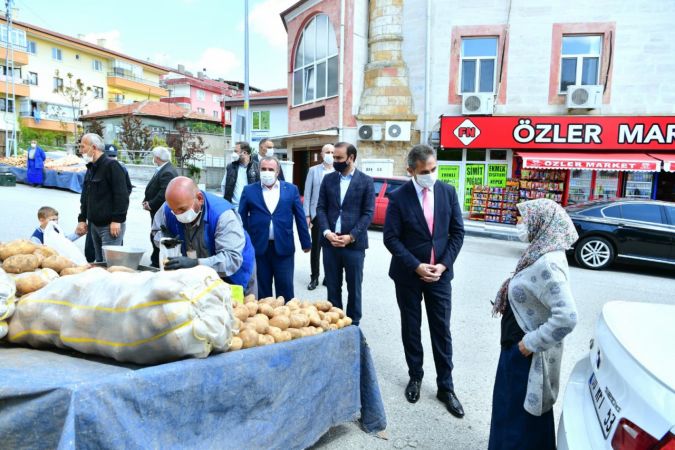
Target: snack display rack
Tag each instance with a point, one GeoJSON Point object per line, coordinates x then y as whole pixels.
{"type": "Point", "coordinates": [495, 204]}
{"type": "Point", "coordinates": [542, 184]}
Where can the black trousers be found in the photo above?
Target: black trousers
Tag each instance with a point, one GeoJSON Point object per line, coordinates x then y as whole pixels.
{"type": "Point", "coordinates": [438, 303]}
{"type": "Point", "coordinates": [350, 261]}
{"type": "Point", "coordinates": [89, 252]}
{"type": "Point", "coordinates": [315, 255]}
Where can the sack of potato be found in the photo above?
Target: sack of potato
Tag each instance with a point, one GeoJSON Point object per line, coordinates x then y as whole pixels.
{"type": "Point", "coordinates": [7, 299]}
{"type": "Point", "coordinates": [144, 317]}
{"type": "Point", "coordinates": [270, 321]}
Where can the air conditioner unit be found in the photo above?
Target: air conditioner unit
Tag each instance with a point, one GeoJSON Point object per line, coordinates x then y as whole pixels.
{"type": "Point", "coordinates": [478, 104]}
{"type": "Point", "coordinates": [584, 97]}
{"type": "Point", "coordinates": [397, 131]}
{"type": "Point", "coordinates": [370, 132]}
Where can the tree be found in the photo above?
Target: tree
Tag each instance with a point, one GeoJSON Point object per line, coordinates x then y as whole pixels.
{"type": "Point", "coordinates": [77, 94]}
{"type": "Point", "coordinates": [134, 136]}
{"type": "Point", "coordinates": [95, 126]}
{"type": "Point", "coordinates": [188, 147]}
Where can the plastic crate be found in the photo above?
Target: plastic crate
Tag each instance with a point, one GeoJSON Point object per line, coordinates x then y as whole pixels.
{"type": "Point", "coordinates": [7, 179]}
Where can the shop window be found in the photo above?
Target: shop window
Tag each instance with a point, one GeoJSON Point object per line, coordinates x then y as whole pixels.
{"type": "Point", "coordinates": [498, 155]}
{"type": "Point", "coordinates": [479, 59]}
{"type": "Point", "coordinates": [450, 154]}
{"type": "Point", "coordinates": [315, 68]}
{"type": "Point", "coordinates": [642, 212]}
{"type": "Point", "coordinates": [580, 61]}
{"type": "Point", "coordinates": [475, 155]}
{"type": "Point", "coordinates": [580, 186]}
{"type": "Point", "coordinates": [606, 185]}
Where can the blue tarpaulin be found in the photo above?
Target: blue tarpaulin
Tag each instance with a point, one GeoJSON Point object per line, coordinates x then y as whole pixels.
{"type": "Point", "coordinates": [71, 181]}
{"type": "Point", "coordinates": [282, 396]}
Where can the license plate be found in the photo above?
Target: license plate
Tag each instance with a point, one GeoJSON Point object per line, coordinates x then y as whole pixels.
{"type": "Point", "coordinates": [603, 407]}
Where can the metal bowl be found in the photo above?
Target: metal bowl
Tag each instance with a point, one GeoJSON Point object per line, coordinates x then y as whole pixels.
{"type": "Point", "coordinates": [117, 255]}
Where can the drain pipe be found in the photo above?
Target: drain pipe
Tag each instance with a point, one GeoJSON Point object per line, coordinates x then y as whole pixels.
{"type": "Point", "coordinates": [427, 76]}
{"type": "Point", "coordinates": [341, 90]}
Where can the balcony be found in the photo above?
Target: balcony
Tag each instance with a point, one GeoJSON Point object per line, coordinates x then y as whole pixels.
{"type": "Point", "coordinates": [20, 55]}
{"type": "Point", "coordinates": [21, 89]}
{"type": "Point", "coordinates": [46, 124]}
{"type": "Point", "coordinates": [122, 80]}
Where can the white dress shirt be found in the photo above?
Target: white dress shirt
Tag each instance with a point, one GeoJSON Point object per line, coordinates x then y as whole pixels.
{"type": "Point", "coordinates": [420, 195]}
{"type": "Point", "coordinates": [271, 196]}
{"type": "Point", "coordinates": [345, 181]}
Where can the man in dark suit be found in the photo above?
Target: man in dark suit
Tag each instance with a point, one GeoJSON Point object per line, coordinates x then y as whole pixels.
{"type": "Point", "coordinates": [267, 210]}
{"type": "Point", "coordinates": [345, 210]}
{"type": "Point", "coordinates": [156, 188]}
{"type": "Point", "coordinates": [424, 232]}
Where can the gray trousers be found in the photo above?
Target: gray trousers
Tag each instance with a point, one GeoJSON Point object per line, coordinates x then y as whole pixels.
{"type": "Point", "coordinates": [101, 236]}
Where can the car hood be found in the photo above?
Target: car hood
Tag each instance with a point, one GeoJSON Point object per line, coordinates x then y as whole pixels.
{"type": "Point", "coordinates": [647, 332]}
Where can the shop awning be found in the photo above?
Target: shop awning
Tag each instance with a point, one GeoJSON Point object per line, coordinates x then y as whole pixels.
{"type": "Point", "coordinates": [629, 162]}
{"type": "Point", "coordinates": [668, 160]}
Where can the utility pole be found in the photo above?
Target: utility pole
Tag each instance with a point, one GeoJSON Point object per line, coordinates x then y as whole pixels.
{"type": "Point", "coordinates": [247, 114]}
{"type": "Point", "coordinates": [10, 98]}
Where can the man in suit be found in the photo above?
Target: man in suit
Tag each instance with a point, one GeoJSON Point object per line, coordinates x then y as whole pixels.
{"type": "Point", "coordinates": [424, 232]}
{"type": "Point", "coordinates": [345, 210]}
{"type": "Point", "coordinates": [156, 189]}
{"type": "Point", "coordinates": [266, 148]}
{"type": "Point", "coordinates": [312, 187]}
{"type": "Point", "coordinates": [267, 210]}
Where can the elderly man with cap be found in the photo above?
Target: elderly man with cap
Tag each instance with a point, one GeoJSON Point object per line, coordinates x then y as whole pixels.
{"type": "Point", "coordinates": [156, 189]}
{"type": "Point", "coordinates": [211, 231]}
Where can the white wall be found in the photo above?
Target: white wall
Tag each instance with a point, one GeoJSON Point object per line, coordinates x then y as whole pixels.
{"type": "Point", "coordinates": [278, 122]}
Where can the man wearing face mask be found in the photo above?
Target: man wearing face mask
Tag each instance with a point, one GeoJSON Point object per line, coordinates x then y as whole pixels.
{"type": "Point", "coordinates": [424, 232]}
{"type": "Point", "coordinates": [240, 172]}
{"type": "Point", "coordinates": [211, 231]}
{"type": "Point", "coordinates": [266, 148]}
{"type": "Point", "coordinates": [267, 210]}
{"type": "Point", "coordinates": [105, 197]}
{"type": "Point", "coordinates": [156, 189]}
{"type": "Point", "coordinates": [345, 211]}
{"type": "Point", "coordinates": [312, 186]}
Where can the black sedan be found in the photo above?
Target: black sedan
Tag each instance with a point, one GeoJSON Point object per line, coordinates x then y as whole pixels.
{"type": "Point", "coordinates": [641, 231]}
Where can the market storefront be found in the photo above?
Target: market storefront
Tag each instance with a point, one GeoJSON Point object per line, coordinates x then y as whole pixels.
{"type": "Point", "coordinates": [569, 159]}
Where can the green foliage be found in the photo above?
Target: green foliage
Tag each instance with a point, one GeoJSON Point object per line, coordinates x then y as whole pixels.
{"type": "Point", "coordinates": [95, 126]}
{"type": "Point", "coordinates": [158, 142]}
{"type": "Point", "coordinates": [195, 172]}
{"type": "Point", "coordinates": [203, 127]}
{"type": "Point", "coordinates": [48, 140]}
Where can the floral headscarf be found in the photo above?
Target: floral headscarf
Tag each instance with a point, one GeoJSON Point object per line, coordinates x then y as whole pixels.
{"type": "Point", "coordinates": [549, 229]}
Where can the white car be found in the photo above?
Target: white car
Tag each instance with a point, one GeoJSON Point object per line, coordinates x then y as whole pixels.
{"type": "Point", "coordinates": [622, 396]}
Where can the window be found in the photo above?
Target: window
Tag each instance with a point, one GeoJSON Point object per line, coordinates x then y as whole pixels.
{"type": "Point", "coordinates": [580, 60]}
{"type": "Point", "coordinates": [57, 54]}
{"type": "Point", "coordinates": [6, 72]}
{"type": "Point", "coordinates": [261, 120]}
{"type": "Point", "coordinates": [612, 212]}
{"type": "Point", "coordinates": [17, 37]}
{"type": "Point", "coordinates": [32, 78]}
{"type": "Point", "coordinates": [216, 98]}
{"type": "Point", "coordinates": [97, 65]}
{"type": "Point", "coordinates": [391, 187]}
{"type": "Point", "coordinates": [98, 92]}
{"type": "Point", "coordinates": [200, 94]}
{"type": "Point", "coordinates": [642, 212]}
{"type": "Point", "coordinates": [377, 187]}
{"type": "Point", "coordinates": [315, 69]}
{"type": "Point", "coordinates": [475, 155]}
{"type": "Point", "coordinates": [118, 98]}
{"type": "Point", "coordinates": [9, 102]}
{"type": "Point", "coordinates": [201, 110]}
{"type": "Point", "coordinates": [671, 214]}
{"type": "Point", "coordinates": [479, 59]}
{"type": "Point", "coordinates": [58, 83]}
{"type": "Point", "coordinates": [216, 115]}
{"type": "Point", "coordinates": [32, 47]}
{"type": "Point", "coordinates": [498, 155]}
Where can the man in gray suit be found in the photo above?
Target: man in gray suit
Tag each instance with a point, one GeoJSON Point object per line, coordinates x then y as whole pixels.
{"type": "Point", "coordinates": [312, 186]}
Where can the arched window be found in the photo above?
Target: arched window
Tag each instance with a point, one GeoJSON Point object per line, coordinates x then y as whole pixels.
{"type": "Point", "coordinates": [315, 69]}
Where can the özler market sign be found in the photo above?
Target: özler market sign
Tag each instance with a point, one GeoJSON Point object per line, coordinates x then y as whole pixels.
{"type": "Point", "coordinates": [616, 133]}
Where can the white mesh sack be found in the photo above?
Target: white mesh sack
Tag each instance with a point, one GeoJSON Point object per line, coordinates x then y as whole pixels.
{"type": "Point", "coordinates": [7, 299]}
{"type": "Point", "coordinates": [145, 317]}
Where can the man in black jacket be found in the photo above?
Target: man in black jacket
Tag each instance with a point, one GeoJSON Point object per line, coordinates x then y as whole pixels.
{"type": "Point", "coordinates": [105, 199]}
{"type": "Point", "coordinates": [266, 148]}
{"type": "Point", "coordinates": [156, 188]}
{"type": "Point", "coordinates": [241, 172]}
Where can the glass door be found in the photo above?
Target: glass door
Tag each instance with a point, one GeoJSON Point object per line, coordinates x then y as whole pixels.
{"type": "Point", "coordinates": [580, 186]}
{"type": "Point", "coordinates": [606, 185]}
{"type": "Point", "coordinates": [639, 185]}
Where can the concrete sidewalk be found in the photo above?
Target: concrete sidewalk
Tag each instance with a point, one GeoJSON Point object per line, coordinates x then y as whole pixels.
{"type": "Point", "coordinates": [490, 230]}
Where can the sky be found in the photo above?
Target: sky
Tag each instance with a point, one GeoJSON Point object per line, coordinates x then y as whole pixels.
{"type": "Point", "coordinates": [200, 34]}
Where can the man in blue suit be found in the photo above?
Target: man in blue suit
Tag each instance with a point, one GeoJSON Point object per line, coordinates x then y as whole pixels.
{"type": "Point", "coordinates": [345, 210]}
{"type": "Point", "coordinates": [424, 232]}
{"type": "Point", "coordinates": [267, 210]}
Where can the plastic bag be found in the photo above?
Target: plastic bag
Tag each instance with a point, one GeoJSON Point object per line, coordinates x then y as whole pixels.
{"type": "Point", "coordinates": [145, 317]}
{"type": "Point", "coordinates": [3, 329]}
{"type": "Point", "coordinates": [54, 238]}
{"type": "Point", "coordinates": [7, 295]}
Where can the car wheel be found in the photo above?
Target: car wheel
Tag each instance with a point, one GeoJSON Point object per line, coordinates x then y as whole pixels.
{"type": "Point", "coordinates": [594, 253]}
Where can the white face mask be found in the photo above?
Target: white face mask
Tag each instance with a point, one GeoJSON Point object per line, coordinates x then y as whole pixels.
{"type": "Point", "coordinates": [268, 178]}
{"type": "Point", "coordinates": [87, 158]}
{"type": "Point", "coordinates": [328, 159]}
{"type": "Point", "coordinates": [33, 145]}
{"type": "Point", "coordinates": [235, 157]}
{"type": "Point", "coordinates": [188, 216]}
{"type": "Point", "coordinates": [427, 180]}
{"type": "Point", "coordinates": [270, 152]}
{"type": "Point", "coordinates": [523, 233]}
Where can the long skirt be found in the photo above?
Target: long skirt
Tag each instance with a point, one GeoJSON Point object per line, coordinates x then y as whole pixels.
{"type": "Point", "coordinates": [512, 427]}
{"type": "Point", "coordinates": [34, 175]}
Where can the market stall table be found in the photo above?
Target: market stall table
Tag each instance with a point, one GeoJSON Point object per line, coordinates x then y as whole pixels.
{"type": "Point", "coordinates": [72, 181]}
{"type": "Point", "coordinates": [285, 395]}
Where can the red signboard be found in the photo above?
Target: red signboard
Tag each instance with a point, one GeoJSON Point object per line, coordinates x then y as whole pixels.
{"type": "Point", "coordinates": [559, 132]}
{"type": "Point", "coordinates": [613, 161]}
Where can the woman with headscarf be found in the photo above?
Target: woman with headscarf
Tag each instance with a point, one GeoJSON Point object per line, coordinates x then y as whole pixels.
{"type": "Point", "coordinates": [36, 164]}
{"type": "Point", "coordinates": [538, 311]}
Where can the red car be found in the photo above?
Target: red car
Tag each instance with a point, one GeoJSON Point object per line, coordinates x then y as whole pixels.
{"type": "Point", "coordinates": [384, 186]}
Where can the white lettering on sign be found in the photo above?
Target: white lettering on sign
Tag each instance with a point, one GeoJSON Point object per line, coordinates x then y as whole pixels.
{"type": "Point", "coordinates": [608, 165]}
{"type": "Point", "coordinates": [553, 133]}
{"type": "Point", "coordinates": [637, 135]}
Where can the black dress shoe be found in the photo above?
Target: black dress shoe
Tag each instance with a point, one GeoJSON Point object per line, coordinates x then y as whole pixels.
{"type": "Point", "coordinates": [412, 391]}
{"type": "Point", "coordinates": [313, 284]}
{"type": "Point", "coordinates": [451, 402]}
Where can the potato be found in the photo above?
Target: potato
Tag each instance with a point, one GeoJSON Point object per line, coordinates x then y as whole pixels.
{"type": "Point", "coordinates": [282, 322]}
{"type": "Point", "coordinates": [29, 282]}
{"type": "Point", "coordinates": [341, 323]}
{"type": "Point", "coordinates": [265, 339]}
{"type": "Point", "coordinates": [299, 320]}
{"type": "Point", "coordinates": [260, 323]}
{"type": "Point", "coordinates": [323, 305]}
{"type": "Point", "coordinates": [266, 301]}
{"type": "Point", "coordinates": [348, 321]}
{"type": "Point", "coordinates": [295, 333]}
{"type": "Point", "coordinates": [249, 338]}
{"type": "Point", "coordinates": [241, 313]}
{"type": "Point", "coordinates": [123, 269]}
{"type": "Point", "coordinates": [20, 264]}
{"type": "Point", "coordinates": [236, 343]}
{"type": "Point", "coordinates": [74, 270]}
{"type": "Point", "coordinates": [266, 309]}
{"type": "Point", "coordinates": [314, 320]}
{"type": "Point", "coordinates": [318, 330]}
{"type": "Point", "coordinates": [340, 312]}
{"type": "Point", "coordinates": [332, 317]}
{"type": "Point", "coordinates": [294, 304]}
{"type": "Point", "coordinates": [332, 327]}
{"type": "Point", "coordinates": [18, 247]}
{"type": "Point", "coordinates": [273, 330]}
{"type": "Point", "coordinates": [307, 331]}
{"type": "Point", "coordinates": [252, 309]}
{"type": "Point", "coordinates": [250, 298]}
{"type": "Point", "coordinates": [280, 336]}
{"type": "Point", "coordinates": [236, 324]}
{"type": "Point", "coordinates": [279, 301]}
{"type": "Point", "coordinates": [325, 326]}
{"type": "Point", "coordinates": [40, 258]}
{"type": "Point", "coordinates": [282, 311]}
{"type": "Point", "coordinates": [45, 251]}
{"type": "Point", "coordinates": [57, 263]}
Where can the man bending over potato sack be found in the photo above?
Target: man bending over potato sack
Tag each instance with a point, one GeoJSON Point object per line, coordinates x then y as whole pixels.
{"type": "Point", "coordinates": [211, 231]}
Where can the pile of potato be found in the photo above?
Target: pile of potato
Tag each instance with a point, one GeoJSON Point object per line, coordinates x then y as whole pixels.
{"type": "Point", "coordinates": [270, 321]}
{"type": "Point", "coordinates": [15, 161]}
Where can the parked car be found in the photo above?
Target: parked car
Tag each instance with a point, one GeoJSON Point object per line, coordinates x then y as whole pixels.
{"type": "Point", "coordinates": [384, 186]}
{"type": "Point", "coordinates": [640, 231]}
{"type": "Point", "coordinates": [622, 396]}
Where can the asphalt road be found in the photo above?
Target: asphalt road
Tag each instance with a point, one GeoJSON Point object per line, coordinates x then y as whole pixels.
{"type": "Point", "coordinates": [480, 268]}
